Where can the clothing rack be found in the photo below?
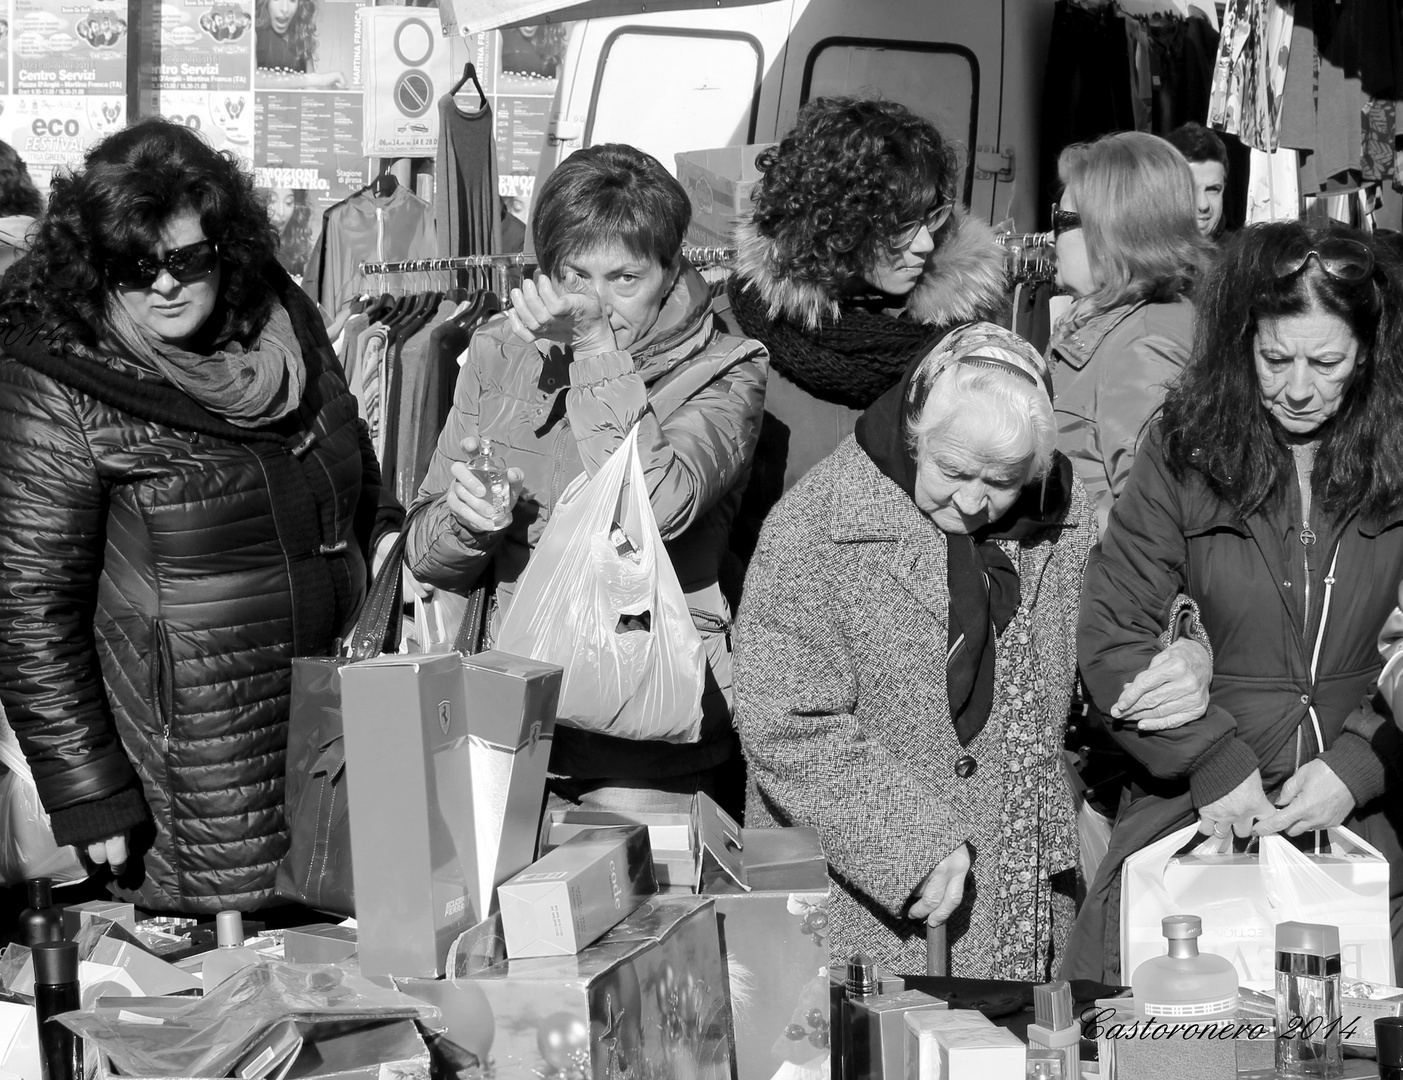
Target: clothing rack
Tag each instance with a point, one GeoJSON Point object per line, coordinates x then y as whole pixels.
{"type": "Point", "coordinates": [1028, 257]}
{"type": "Point", "coordinates": [697, 256]}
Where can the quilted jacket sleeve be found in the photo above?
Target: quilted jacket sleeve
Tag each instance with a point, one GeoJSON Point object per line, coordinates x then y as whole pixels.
{"type": "Point", "coordinates": [1391, 649]}
{"type": "Point", "coordinates": [52, 536]}
{"type": "Point", "coordinates": [440, 550]}
{"type": "Point", "coordinates": [695, 454]}
{"type": "Point", "coordinates": [796, 698]}
{"type": "Point", "coordinates": [1131, 584]}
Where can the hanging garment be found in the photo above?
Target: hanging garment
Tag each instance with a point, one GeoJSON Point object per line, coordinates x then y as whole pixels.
{"type": "Point", "coordinates": [1086, 88]}
{"type": "Point", "coordinates": [465, 184]}
{"type": "Point", "coordinates": [1250, 73]}
{"type": "Point", "coordinates": [373, 228]}
{"type": "Point", "coordinates": [1273, 194]}
{"type": "Point", "coordinates": [1182, 53]}
{"type": "Point", "coordinates": [1142, 90]}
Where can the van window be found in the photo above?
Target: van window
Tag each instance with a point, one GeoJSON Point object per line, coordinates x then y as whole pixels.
{"type": "Point", "coordinates": [670, 91]}
{"type": "Point", "coordinates": [939, 82]}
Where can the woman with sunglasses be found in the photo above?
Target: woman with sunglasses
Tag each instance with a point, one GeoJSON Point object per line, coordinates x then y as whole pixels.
{"type": "Point", "coordinates": [1271, 493]}
{"type": "Point", "coordinates": [856, 258]}
{"type": "Point", "coordinates": [1129, 252]}
{"type": "Point", "coordinates": [187, 502]}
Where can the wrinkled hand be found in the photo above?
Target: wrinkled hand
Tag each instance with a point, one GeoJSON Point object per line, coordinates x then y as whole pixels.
{"type": "Point", "coordinates": [943, 888]}
{"type": "Point", "coordinates": [571, 314]}
{"type": "Point", "coordinates": [111, 852]}
{"type": "Point", "coordinates": [1237, 811]}
{"type": "Point", "coordinates": [1171, 692]}
{"type": "Point", "coordinates": [1314, 798]}
{"type": "Point", "coordinates": [470, 502]}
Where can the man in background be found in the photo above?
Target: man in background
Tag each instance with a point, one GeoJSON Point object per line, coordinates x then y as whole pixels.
{"type": "Point", "coordinates": [1208, 160]}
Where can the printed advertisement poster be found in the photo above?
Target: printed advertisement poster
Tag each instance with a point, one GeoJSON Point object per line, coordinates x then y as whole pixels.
{"type": "Point", "coordinates": [406, 72]}
{"type": "Point", "coordinates": [4, 49]}
{"type": "Point", "coordinates": [60, 47]}
{"type": "Point", "coordinates": [53, 132]}
{"type": "Point", "coordinates": [224, 117]}
{"type": "Point", "coordinates": [307, 154]}
{"type": "Point", "coordinates": [306, 44]}
{"type": "Point", "coordinates": [205, 46]}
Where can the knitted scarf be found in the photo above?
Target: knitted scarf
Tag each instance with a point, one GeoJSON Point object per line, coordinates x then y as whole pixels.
{"type": "Point", "coordinates": [247, 387]}
{"type": "Point", "coordinates": [850, 362]}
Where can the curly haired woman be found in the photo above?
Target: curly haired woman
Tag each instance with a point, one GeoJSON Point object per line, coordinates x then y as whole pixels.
{"type": "Point", "coordinates": [188, 501]}
{"type": "Point", "coordinates": [855, 260]}
{"type": "Point", "coordinates": [285, 45]}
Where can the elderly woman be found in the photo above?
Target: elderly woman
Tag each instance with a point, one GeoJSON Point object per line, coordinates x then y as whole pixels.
{"type": "Point", "coordinates": [1129, 250]}
{"type": "Point", "coordinates": [187, 503]}
{"type": "Point", "coordinates": [856, 257]}
{"type": "Point", "coordinates": [1270, 493]}
{"type": "Point", "coordinates": [904, 663]}
{"type": "Point", "coordinates": [616, 331]}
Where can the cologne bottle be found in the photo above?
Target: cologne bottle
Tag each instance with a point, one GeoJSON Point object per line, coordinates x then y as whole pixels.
{"type": "Point", "coordinates": [1309, 1040]}
{"type": "Point", "coordinates": [1055, 1026]}
{"type": "Point", "coordinates": [857, 1049]}
{"type": "Point", "coordinates": [232, 956]}
{"type": "Point", "coordinates": [40, 921]}
{"type": "Point", "coordinates": [1186, 984]}
{"type": "Point", "coordinates": [488, 466]}
{"type": "Point", "coordinates": [56, 991]}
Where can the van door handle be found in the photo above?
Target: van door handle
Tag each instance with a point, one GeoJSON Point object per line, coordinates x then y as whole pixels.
{"type": "Point", "coordinates": [565, 131]}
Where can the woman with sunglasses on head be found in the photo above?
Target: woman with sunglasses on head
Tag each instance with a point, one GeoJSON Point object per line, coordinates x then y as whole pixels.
{"type": "Point", "coordinates": [1129, 252]}
{"type": "Point", "coordinates": [1271, 493]}
{"type": "Point", "coordinates": [188, 501]}
{"type": "Point", "coordinates": [856, 258]}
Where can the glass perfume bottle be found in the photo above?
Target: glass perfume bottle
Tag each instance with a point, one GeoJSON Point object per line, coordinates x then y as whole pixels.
{"type": "Point", "coordinates": [40, 921]}
{"type": "Point", "coordinates": [232, 955]}
{"type": "Point", "coordinates": [1185, 984]}
{"type": "Point", "coordinates": [56, 991]}
{"type": "Point", "coordinates": [1308, 1000]}
{"type": "Point", "coordinates": [487, 465]}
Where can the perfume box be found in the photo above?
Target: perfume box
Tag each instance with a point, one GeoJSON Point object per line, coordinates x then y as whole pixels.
{"type": "Point", "coordinates": [413, 836]}
{"type": "Point", "coordinates": [776, 943]}
{"type": "Point", "coordinates": [511, 726]}
{"type": "Point", "coordinates": [877, 1026]}
{"type": "Point", "coordinates": [569, 897]}
{"type": "Point", "coordinates": [1361, 1005]}
{"type": "Point", "coordinates": [319, 943]}
{"type": "Point", "coordinates": [77, 916]}
{"type": "Point", "coordinates": [648, 999]}
{"type": "Point", "coordinates": [960, 1044]}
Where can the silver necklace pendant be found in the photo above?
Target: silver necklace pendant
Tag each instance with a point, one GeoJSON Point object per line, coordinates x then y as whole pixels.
{"type": "Point", "coordinates": [1307, 536]}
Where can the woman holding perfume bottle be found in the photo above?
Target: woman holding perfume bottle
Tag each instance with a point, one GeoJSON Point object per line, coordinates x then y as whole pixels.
{"type": "Point", "coordinates": [616, 330]}
{"type": "Point", "coordinates": [1271, 493]}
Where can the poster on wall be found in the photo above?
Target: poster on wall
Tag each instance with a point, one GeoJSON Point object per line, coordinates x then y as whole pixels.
{"type": "Point", "coordinates": [54, 132]}
{"type": "Point", "coordinates": [306, 44]}
{"type": "Point", "coordinates": [406, 72]}
{"type": "Point", "coordinates": [59, 48]}
{"type": "Point", "coordinates": [204, 46]}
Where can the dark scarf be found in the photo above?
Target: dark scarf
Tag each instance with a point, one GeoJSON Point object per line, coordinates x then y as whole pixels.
{"type": "Point", "coordinates": [850, 362]}
{"type": "Point", "coordinates": [983, 582]}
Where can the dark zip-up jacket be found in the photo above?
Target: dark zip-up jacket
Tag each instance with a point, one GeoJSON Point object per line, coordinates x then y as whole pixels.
{"type": "Point", "coordinates": [1249, 578]}
{"type": "Point", "coordinates": [159, 568]}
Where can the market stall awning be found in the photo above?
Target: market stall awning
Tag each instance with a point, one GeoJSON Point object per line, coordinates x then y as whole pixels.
{"type": "Point", "coordinates": [474, 16]}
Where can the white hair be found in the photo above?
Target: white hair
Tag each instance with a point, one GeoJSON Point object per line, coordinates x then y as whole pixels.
{"type": "Point", "coordinates": [1014, 415]}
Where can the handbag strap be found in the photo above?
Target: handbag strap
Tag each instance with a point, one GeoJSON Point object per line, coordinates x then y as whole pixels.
{"type": "Point", "coordinates": [379, 624]}
{"type": "Point", "coordinates": [473, 629]}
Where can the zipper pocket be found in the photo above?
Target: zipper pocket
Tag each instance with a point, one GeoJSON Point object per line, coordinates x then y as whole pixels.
{"type": "Point", "coordinates": [162, 678]}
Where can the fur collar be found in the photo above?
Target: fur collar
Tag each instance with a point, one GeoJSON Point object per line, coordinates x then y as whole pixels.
{"type": "Point", "coordinates": [964, 280]}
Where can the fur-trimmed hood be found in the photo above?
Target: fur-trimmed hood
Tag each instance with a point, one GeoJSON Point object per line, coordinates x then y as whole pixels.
{"type": "Point", "coordinates": [965, 279]}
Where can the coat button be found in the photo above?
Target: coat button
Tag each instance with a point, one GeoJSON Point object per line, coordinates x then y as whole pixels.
{"type": "Point", "coordinates": [1305, 699]}
{"type": "Point", "coordinates": [965, 766]}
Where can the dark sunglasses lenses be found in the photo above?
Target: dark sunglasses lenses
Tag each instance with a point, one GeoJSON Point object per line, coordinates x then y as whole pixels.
{"type": "Point", "coordinates": [1343, 259]}
{"type": "Point", "coordinates": [185, 264]}
{"type": "Point", "coordinates": [1064, 220]}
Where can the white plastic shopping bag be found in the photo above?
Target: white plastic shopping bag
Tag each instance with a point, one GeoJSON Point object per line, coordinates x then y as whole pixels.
{"type": "Point", "coordinates": [607, 607]}
{"type": "Point", "coordinates": [27, 848]}
{"type": "Point", "coordinates": [1242, 896]}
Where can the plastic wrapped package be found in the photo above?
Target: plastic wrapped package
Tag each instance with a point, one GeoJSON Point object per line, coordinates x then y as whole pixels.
{"type": "Point", "coordinates": [27, 848]}
{"type": "Point", "coordinates": [209, 1036]}
{"type": "Point", "coordinates": [601, 599]}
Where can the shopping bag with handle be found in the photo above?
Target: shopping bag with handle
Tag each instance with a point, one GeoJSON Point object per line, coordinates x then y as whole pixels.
{"type": "Point", "coordinates": [601, 599]}
{"type": "Point", "coordinates": [1241, 896]}
{"type": "Point", "coordinates": [27, 846]}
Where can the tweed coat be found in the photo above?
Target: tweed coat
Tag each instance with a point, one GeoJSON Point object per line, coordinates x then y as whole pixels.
{"type": "Point", "coordinates": [842, 712]}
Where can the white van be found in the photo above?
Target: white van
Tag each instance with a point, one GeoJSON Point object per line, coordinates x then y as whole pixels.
{"type": "Point", "coordinates": [735, 74]}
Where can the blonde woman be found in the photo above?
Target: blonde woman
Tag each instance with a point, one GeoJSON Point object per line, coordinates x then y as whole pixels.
{"type": "Point", "coordinates": [1129, 251]}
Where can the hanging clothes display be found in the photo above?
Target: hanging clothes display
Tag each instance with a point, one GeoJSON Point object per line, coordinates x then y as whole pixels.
{"type": "Point", "coordinates": [466, 209]}
{"type": "Point", "coordinates": [382, 221]}
{"type": "Point", "coordinates": [1250, 73]}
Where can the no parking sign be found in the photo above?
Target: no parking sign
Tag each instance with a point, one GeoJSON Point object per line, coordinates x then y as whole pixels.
{"type": "Point", "coordinates": [406, 72]}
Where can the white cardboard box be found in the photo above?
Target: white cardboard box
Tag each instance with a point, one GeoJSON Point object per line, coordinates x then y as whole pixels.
{"type": "Point", "coordinates": [961, 1044]}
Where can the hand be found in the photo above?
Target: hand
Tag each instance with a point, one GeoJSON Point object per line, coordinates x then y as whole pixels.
{"type": "Point", "coordinates": [1169, 693]}
{"type": "Point", "coordinates": [111, 852]}
{"type": "Point", "coordinates": [1237, 811]}
{"type": "Point", "coordinates": [1314, 798]}
{"type": "Point", "coordinates": [572, 315]}
{"type": "Point", "coordinates": [331, 80]}
{"type": "Point", "coordinates": [943, 888]}
{"type": "Point", "coordinates": [469, 500]}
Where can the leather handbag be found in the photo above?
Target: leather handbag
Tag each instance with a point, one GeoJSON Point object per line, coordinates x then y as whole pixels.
{"type": "Point", "coordinates": [316, 871]}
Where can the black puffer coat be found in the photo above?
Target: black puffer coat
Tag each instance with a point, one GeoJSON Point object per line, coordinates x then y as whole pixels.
{"type": "Point", "coordinates": [159, 568]}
